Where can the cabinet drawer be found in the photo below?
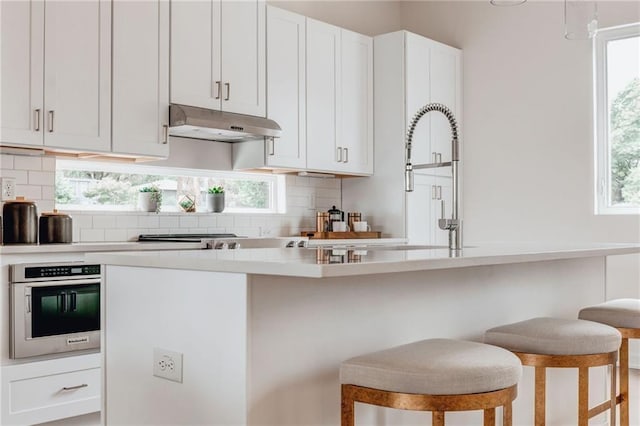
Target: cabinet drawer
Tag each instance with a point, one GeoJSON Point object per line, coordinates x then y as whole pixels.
{"type": "Point", "coordinates": [57, 389]}
{"type": "Point", "coordinates": [50, 390]}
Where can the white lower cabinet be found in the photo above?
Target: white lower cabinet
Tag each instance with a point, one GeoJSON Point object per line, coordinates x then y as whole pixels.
{"type": "Point", "coordinates": [424, 208]}
{"type": "Point", "coordinates": [42, 391]}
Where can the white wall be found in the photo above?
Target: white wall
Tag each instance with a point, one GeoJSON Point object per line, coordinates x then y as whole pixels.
{"type": "Point", "coordinates": [528, 141]}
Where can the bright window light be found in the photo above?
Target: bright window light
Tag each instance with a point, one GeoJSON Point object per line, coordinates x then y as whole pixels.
{"type": "Point", "coordinates": [617, 112]}
{"type": "Point", "coordinates": [100, 186]}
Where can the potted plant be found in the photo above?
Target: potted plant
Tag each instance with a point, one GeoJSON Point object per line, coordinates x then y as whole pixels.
{"type": "Point", "coordinates": [188, 204]}
{"type": "Point", "coordinates": [150, 199]}
{"type": "Point", "coordinates": [215, 199]}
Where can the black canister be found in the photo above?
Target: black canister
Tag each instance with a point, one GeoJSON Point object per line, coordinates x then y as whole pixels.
{"type": "Point", "coordinates": [55, 228]}
{"type": "Point", "coordinates": [19, 222]}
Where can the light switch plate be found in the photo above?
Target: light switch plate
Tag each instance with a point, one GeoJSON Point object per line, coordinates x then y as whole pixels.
{"type": "Point", "coordinates": [7, 188]}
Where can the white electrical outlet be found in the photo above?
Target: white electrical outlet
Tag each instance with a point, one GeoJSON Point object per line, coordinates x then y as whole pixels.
{"type": "Point", "coordinates": [167, 364]}
{"type": "Point", "coordinates": [7, 188]}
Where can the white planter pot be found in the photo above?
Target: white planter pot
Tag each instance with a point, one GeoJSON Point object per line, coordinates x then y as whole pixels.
{"type": "Point", "coordinates": [215, 202]}
{"type": "Point", "coordinates": [147, 202]}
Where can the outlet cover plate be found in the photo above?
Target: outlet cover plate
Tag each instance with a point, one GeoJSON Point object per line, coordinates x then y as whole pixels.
{"type": "Point", "coordinates": [7, 188]}
{"type": "Point", "coordinates": [167, 364]}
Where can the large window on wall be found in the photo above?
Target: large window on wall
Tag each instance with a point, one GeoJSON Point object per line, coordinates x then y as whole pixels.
{"type": "Point", "coordinates": [617, 119]}
{"type": "Point", "coordinates": [100, 186]}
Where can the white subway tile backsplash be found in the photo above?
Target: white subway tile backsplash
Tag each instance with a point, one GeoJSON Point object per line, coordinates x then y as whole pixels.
{"type": "Point", "coordinates": [188, 222]}
{"type": "Point", "coordinates": [6, 162]}
{"type": "Point", "coordinates": [31, 192]}
{"type": "Point", "coordinates": [35, 179]}
{"type": "Point", "coordinates": [104, 221]}
{"type": "Point", "coordinates": [207, 221]}
{"type": "Point", "coordinates": [48, 164]}
{"type": "Point", "coordinates": [92, 235]}
{"type": "Point", "coordinates": [27, 163]}
{"type": "Point", "coordinates": [41, 178]}
{"type": "Point", "coordinates": [128, 221]}
{"type": "Point", "coordinates": [21, 176]}
{"type": "Point", "coordinates": [149, 221]}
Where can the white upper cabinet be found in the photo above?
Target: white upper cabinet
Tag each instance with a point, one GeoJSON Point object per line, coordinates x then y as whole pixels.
{"type": "Point", "coordinates": [22, 49]}
{"type": "Point", "coordinates": [218, 55]}
{"type": "Point", "coordinates": [432, 75]}
{"type": "Point", "coordinates": [286, 103]}
{"type": "Point", "coordinates": [339, 100]}
{"type": "Point", "coordinates": [140, 77]}
{"type": "Point", "coordinates": [56, 74]}
{"type": "Point", "coordinates": [323, 96]}
{"type": "Point", "coordinates": [356, 99]}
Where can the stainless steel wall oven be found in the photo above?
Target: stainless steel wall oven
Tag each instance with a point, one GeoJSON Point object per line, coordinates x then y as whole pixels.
{"type": "Point", "coordinates": [55, 307]}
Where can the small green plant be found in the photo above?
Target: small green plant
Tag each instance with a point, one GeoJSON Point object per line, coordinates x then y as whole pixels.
{"type": "Point", "coordinates": [216, 190]}
{"type": "Point", "coordinates": [156, 195]}
{"type": "Point", "coordinates": [188, 204]}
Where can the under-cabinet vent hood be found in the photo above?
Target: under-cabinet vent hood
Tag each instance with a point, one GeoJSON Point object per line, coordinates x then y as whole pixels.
{"type": "Point", "coordinates": [201, 123]}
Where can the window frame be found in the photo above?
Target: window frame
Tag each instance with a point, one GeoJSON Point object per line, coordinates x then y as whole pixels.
{"type": "Point", "coordinates": [602, 184]}
{"type": "Point", "coordinates": [277, 182]}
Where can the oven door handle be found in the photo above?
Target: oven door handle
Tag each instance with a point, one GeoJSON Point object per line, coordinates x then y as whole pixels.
{"type": "Point", "coordinates": [62, 282]}
{"type": "Point", "coordinates": [73, 296]}
{"type": "Point", "coordinates": [63, 301]}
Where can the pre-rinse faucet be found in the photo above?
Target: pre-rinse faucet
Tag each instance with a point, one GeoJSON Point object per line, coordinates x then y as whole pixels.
{"type": "Point", "coordinates": [453, 225]}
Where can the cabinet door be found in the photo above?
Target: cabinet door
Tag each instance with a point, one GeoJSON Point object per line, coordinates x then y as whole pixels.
{"type": "Point", "coordinates": [78, 75]}
{"type": "Point", "coordinates": [420, 211]}
{"type": "Point", "coordinates": [243, 57]}
{"type": "Point", "coordinates": [444, 88]}
{"type": "Point", "coordinates": [424, 208]}
{"type": "Point", "coordinates": [356, 137]}
{"type": "Point", "coordinates": [21, 46]}
{"type": "Point", "coordinates": [418, 94]}
{"type": "Point", "coordinates": [323, 89]}
{"type": "Point", "coordinates": [286, 85]}
{"type": "Point", "coordinates": [195, 53]}
{"type": "Point", "coordinates": [140, 77]}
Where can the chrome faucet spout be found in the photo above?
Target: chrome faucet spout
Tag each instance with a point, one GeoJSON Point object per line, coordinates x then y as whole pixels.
{"type": "Point", "coordinates": [453, 225]}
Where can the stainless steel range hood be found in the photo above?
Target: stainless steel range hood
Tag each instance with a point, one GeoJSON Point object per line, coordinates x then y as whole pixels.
{"type": "Point", "coordinates": [201, 123]}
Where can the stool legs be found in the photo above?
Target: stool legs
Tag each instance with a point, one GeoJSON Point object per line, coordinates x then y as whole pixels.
{"type": "Point", "coordinates": [507, 415]}
{"type": "Point", "coordinates": [540, 395]}
{"type": "Point", "coordinates": [437, 418]}
{"type": "Point", "coordinates": [624, 382]}
{"type": "Point", "coordinates": [347, 407]}
{"type": "Point", "coordinates": [583, 396]}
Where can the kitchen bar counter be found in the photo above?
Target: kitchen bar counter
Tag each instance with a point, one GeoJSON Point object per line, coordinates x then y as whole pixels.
{"type": "Point", "coordinates": [349, 261]}
{"type": "Point", "coordinates": [261, 333]}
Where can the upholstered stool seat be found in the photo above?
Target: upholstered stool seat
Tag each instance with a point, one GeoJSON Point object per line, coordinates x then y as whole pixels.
{"type": "Point", "coordinates": [433, 375]}
{"type": "Point", "coordinates": [624, 315]}
{"type": "Point", "coordinates": [562, 343]}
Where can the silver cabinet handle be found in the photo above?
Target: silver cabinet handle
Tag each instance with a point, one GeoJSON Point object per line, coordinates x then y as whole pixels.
{"type": "Point", "coordinates": [165, 134]}
{"type": "Point", "coordinates": [433, 192]}
{"type": "Point", "coordinates": [51, 121]}
{"type": "Point", "coordinates": [346, 155]}
{"type": "Point", "coordinates": [70, 388]}
{"type": "Point", "coordinates": [439, 192]}
{"type": "Point", "coordinates": [272, 148]}
{"type": "Point", "coordinates": [339, 155]}
{"type": "Point", "coordinates": [28, 303]}
{"type": "Point", "coordinates": [36, 119]}
{"type": "Point", "coordinates": [434, 157]}
{"type": "Point", "coordinates": [217, 90]}
{"type": "Point", "coordinates": [439, 158]}
{"type": "Point", "coordinates": [228, 86]}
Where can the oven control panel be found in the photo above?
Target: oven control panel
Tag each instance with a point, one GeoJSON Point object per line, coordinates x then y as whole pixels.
{"type": "Point", "coordinates": [46, 271]}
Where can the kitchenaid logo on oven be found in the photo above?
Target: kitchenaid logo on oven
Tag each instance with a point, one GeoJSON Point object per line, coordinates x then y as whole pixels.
{"type": "Point", "coordinates": [77, 340]}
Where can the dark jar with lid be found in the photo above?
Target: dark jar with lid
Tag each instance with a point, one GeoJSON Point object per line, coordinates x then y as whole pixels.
{"type": "Point", "coordinates": [55, 228]}
{"type": "Point", "coordinates": [19, 222]}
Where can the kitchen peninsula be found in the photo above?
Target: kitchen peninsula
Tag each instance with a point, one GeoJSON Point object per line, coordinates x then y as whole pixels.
{"type": "Point", "coordinates": [260, 333]}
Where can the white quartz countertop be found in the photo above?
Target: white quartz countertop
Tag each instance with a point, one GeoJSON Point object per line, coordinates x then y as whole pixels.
{"type": "Point", "coordinates": [319, 262]}
{"type": "Point", "coordinates": [94, 247]}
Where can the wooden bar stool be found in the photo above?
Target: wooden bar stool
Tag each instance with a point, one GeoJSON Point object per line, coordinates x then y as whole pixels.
{"type": "Point", "coordinates": [562, 343]}
{"type": "Point", "coordinates": [436, 375]}
{"type": "Point", "coordinates": [624, 315]}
